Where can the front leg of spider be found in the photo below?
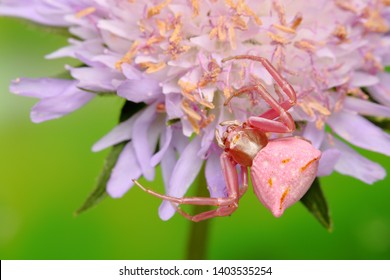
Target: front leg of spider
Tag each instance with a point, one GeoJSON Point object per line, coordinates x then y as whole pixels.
{"type": "Point", "coordinates": [225, 205]}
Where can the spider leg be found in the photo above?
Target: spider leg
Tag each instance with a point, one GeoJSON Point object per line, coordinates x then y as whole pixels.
{"type": "Point", "coordinates": [264, 122]}
{"type": "Point", "coordinates": [280, 81]}
{"type": "Point", "coordinates": [225, 205]}
{"type": "Point", "coordinates": [244, 180]}
{"type": "Point", "coordinates": [219, 212]}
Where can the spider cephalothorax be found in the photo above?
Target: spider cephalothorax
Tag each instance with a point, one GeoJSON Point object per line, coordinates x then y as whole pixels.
{"type": "Point", "coordinates": [242, 142]}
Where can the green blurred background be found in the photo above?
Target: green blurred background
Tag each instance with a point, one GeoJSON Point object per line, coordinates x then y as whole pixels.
{"type": "Point", "coordinates": [48, 169]}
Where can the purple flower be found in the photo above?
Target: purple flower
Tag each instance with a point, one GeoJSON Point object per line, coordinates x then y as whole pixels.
{"type": "Point", "coordinates": [58, 97]}
{"type": "Point", "coordinates": [167, 54]}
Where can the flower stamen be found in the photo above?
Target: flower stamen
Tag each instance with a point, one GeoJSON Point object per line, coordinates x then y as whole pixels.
{"type": "Point", "coordinates": [195, 8]}
{"type": "Point", "coordinates": [152, 67]}
{"type": "Point", "coordinates": [374, 21]}
{"type": "Point", "coordinates": [85, 12]}
{"type": "Point", "coordinates": [127, 58]}
{"type": "Point", "coordinates": [157, 9]}
{"type": "Point", "coordinates": [285, 29]}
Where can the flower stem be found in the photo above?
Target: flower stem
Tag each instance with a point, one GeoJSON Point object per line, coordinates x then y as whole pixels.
{"type": "Point", "coordinates": [198, 237]}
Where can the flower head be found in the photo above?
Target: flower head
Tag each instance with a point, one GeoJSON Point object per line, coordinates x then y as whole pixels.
{"type": "Point", "coordinates": [168, 54]}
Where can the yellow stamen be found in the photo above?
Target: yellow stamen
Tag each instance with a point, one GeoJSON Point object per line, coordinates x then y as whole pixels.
{"type": "Point", "coordinates": [227, 92]}
{"type": "Point", "coordinates": [239, 23]}
{"type": "Point", "coordinates": [221, 31]}
{"type": "Point", "coordinates": [370, 58]}
{"type": "Point", "coordinates": [186, 87]}
{"type": "Point", "coordinates": [211, 75]}
{"type": "Point", "coordinates": [375, 22]}
{"type": "Point", "coordinates": [206, 103]}
{"type": "Point", "coordinates": [154, 39]}
{"type": "Point", "coordinates": [346, 6]}
{"type": "Point", "coordinates": [243, 9]}
{"type": "Point", "coordinates": [127, 58]}
{"type": "Point", "coordinates": [320, 124]}
{"type": "Point", "coordinates": [209, 120]}
{"type": "Point", "coordinates": [152, 67]}
{"type": "Point", "coordinates": [284, 28]}
{"type": "Point", "coordinates": [232, 38]}
{"type": "Point", "coordinates": [85, 12]}
{"type": "Point", "coordinates": [193, 117]}
{"type": "Point", "coordinates": [213, 33]}
{"type": "Point", "coordinates": [175, 39]}
{"type": "Point", "coordinates": [162, 27]}
{"type": "Point", "coordinates": [195, 8]}
{"type": "Point", "coordinates": [305, 45]}
{"type": "Point", "coordinates": [278, 38]}
{"type": "Point", "coordinates": [157, 9]}
{"type": "Point", "coordinates": [297, 21]}
{"type": "Point", "coordinates": [340, 32]}
{"type": "Point", "coordinates": [281, 12]}
{"type": "Point", "coordinates": [321, 109]}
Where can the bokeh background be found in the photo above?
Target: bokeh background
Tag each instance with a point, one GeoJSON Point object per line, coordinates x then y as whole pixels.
{"type": "Point", "coordinates": [48, 169]}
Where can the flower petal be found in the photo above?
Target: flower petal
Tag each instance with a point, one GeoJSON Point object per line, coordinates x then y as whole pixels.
{"type": "Point", "coordinates": [328, 161]}
{"type": "Point", "coordinates": [40, 87]}
{"type": "Point", "coordinates": [365, 107]}
{"type": "Point", "coordinates": [207, 140]}
{"type": "Point", "coordinates": [55, 107]}
{"type": "Point", "coordinates": [381, 91]}
{"type": "Point", "coordinates": [126, 169]}
{"type": "Point", "coordinates": [360, 132]}
{"type": "Point", "coordinates": [172, 105]}
{"type": "Point", "coordinates": [30, 9]}
{"type": "Point", "coordinates": [361, 79]}
{"type": "Point", "coordinates": [184, 173]}
{"type": "Point", "coordinates": [95, 79]}
{"type": "Point", "coordinates": [313, 134]}
{"type": "Point", "coordinates": [165, 143]}
{"type": "Point", "coordinates": [181, 142]}
{"type": "Point", "coordinates": [214, 176]}
{"type": "Point", "coordinates": [352, 164]}
{"type": "Point", "coordinates": [121, 132]}
{"type": "Point", "coordinates": [168, 163]}
{"type": "Point", "coordinates": [145, 90]}
{"type": "Point", "coordinates": [142, 147]}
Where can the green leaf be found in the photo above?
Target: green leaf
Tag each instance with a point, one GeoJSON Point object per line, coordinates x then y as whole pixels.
{"type": "Point", "coordinates": [315, 202]}
{"type": "Point", "coordinates": [99, 193]}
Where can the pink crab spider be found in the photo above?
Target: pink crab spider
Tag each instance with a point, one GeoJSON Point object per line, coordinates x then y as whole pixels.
{"type": "Point", "coordinates": [282, 169]}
